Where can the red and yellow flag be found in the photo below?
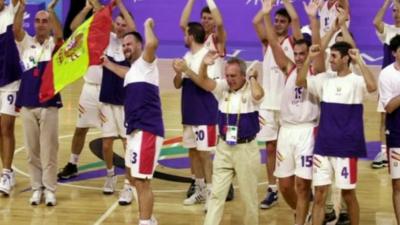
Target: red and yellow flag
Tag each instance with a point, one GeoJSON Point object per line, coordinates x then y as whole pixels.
{"type": "Point", "coordinates": [82, 49]}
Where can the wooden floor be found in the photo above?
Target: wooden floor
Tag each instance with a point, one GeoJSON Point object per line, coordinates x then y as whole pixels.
{"type": "Point", "coordinates": [83, 202]}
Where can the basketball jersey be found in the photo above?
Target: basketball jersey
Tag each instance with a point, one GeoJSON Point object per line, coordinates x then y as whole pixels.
{"type": "Point", "coordinates": [298, 106]}
{"type": "Point", "coordinates": [327, 16]}
{"type": "Point", "coordinates": [142, 102]}
{"type": "Point", "coordinates": [341, 127]}
{"type": "Point", "coordinates": [217, 70]}
{"type": "Point", "coordinates": [199, 107]}
{"type": "Point", "coordinates": [273, 78]}
{"type": "Point", "coordinates": [114, 50]}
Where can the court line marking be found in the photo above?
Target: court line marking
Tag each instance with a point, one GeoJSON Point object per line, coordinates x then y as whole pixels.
{"type": "Point", "coordinates": [107, 213]}
{"type": "Point", "coordinates": [18, 150]}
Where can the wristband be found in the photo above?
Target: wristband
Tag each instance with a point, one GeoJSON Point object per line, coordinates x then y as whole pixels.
{"type": "Point", "coordinates": [211, 4]}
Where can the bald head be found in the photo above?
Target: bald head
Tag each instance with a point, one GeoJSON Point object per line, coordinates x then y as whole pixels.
{"type": "Point", "coordinates": [42, 23]}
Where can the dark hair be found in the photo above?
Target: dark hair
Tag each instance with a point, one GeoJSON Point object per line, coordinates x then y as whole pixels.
{"type": "Point", "coordinates": [394, 43]}
{"type": "Point", "coordinates": [197, 31]}
{"type": "Point", "coordinates": [205, 10]}
{"type": "Point", "coordinates": [302, 41]}
{"type": "Point", "coordinates": [283, 12]}
{"type": "Point", "coordinates": [242, 65]}
{"type": "Point", "coordinates": [137, 36]}
{"type": "Point", "coordinates": [343, 48]}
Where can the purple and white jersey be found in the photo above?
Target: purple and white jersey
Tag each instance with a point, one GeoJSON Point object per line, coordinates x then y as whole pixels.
{"type": "Point", "coordinates": [112, 86]}
{"type": "Point", "coordinates": [298, 106]}
{"type": "Point", "coordinates": [341, 127]}
{"type": "Point", "coordinates": [389, 88]}
{"type": "Point", "coordinates": [199, 107]}
{"type": "Point", "coordinates": [10, 70]}
{"type": "Point", "coordinates": [233, 103]}
{"type": "Point", "coordinates": [273, 77]}
{"type": "Point", "coordinates": [35, 57]}
{"type": "Point", "coordinates": [142, 98]}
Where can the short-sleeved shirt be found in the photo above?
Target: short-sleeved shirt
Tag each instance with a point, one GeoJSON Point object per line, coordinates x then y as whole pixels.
{"type": "Point", "coordinates": [142, 102]}
{"type": "Point", "coordinates": [9, 59]}
{"type": "Point", "coordinates": [114, 50]}
{"type": "Point", "coordinates": [199, 107]}
{"type": "Point", "coordinates": [389, 88]}
{"type": "Point", "coordinates": [341, 127]}
{"type": "Point", "coordinates": [34, 57]}
{"type": "Point", "coordinates": [273, 77]}
{"type": "Point", "coordinates": [237, 108]}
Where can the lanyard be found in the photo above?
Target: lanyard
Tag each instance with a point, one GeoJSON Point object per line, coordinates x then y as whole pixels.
{"type": "Point", "coordinates": [240, 106]}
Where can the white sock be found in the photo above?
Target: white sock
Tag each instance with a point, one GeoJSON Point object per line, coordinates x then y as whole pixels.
{"type": "Point", "coordinates": [200, 182]}
{"type": "Point", "coordinates": [383, 148]}
{"type": "Point", "coordinates": [144, 222]}
{"type": "Point", "coordinates": [7, 171]}
{"type": "Point", "coordinates": [110, 172]}
{"type": "Point", "coordinates": [74, 158]}
{"type": "Point", "coordinates": [273, 187]}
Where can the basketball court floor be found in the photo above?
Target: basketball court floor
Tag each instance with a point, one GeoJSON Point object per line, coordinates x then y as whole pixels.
{"type": "Point", "coordinates": [81, 201]}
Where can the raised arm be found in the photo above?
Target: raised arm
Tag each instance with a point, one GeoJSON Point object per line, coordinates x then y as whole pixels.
{"type": "Point", "coordinates": [257, 92]}
{"type": "Point", "coordinates": [119, 70]}
{"type": "Point", "coordinates": [296, 26]}
{"type": "Point", "coordinates": [78, 20]}
{"type": "Point", "coordinates": [55, 23]}
{"type": "Point", "coordinates": [378, 20]}
{"type": "Point", "coordinates": [365, 71]}
{"type": "Point", "coordinates": [258, 23]}
{"type": "Point", "coordinates": [130, 22]}
{"type": "Point", "coordinates": [284, 63]}
{"type": "Point", "coordinates": [301, 79]}
{"type": "Point", "coordinates": [19, 32]}
{"type": "Point", "coordinates": [151, 45]}
{"type": "Point", "coordinates": [220, 30]}
{"type": "Point", "coordinates": [312, 10]}
{"type": "Point", "coordinates": [186, 15]}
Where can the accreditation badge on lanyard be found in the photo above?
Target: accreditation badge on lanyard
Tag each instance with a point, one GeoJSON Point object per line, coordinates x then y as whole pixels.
{"type": "Point", "coordinates": [232, 130]}
{"type": "Point", "coordinates": [231, 135]}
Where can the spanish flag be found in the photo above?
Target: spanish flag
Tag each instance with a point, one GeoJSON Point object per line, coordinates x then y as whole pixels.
{"type": "Point", "coordinates": [82, 49]}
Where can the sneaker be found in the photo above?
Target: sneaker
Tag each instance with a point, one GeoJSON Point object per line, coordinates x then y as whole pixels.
{"type": "Point", "coordinates": [109, 185]}
{"type": "Point", "coordinates": [380, 160]}
{"type": "Point", "coordinates": [343, 219]}
{"type": "Point", "coordinates": [270, 199]}
{"type": "Point", "coordinates": [198, 197]}
{"type": "Point", "coordinates": [49, 198]}
{"type": "Point", "coordinates": [329, 217]}
{"type": "Point", "coordinates": [126, 195]}
{"type": "Point", "coordinates": [191, 189]}
{"type": "Point", "coordinates": [69, 171]}
{"type": "Point", "coordinates": [231, 194]}
{"type": "Point", "coordinates": [36, 197]}
{"type": "Point", "coordinates": [6, 183]}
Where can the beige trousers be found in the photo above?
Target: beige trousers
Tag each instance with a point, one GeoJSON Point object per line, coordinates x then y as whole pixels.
{"type": "Point", "coordinates": [41, 142]}
{"type": "Point", "coordinates": [243, 161]}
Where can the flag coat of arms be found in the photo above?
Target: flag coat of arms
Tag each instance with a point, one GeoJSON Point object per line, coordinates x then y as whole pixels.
{"type": "Point", "coordinates": [82, 49]}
